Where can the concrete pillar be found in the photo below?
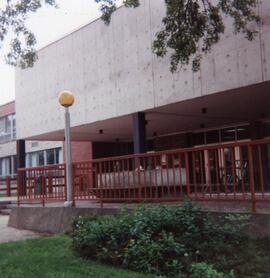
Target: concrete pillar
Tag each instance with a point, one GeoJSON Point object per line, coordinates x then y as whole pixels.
{"type": "Point", "coordinates": [21, 164]}
{"type": "Point", "coordinates": [139, 132]}
{"type": "Point", "coordinates": [21, 153]}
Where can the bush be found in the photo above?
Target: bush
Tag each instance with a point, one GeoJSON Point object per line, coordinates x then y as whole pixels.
{"type": "Point", "coordinates": [203, 270]}
{"type": "Point", "coordinates": [162, 240]}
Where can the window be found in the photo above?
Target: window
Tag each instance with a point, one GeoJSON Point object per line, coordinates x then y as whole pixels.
{"type": "Point", "coordinates": [228, 134]}
{"type": "Point", "coordinates": [266, 129]}
{"type": "Point", "coordinates": [57, 156]}
{"type": "Point", "coordinates": [44, 157]}
{"type": "Point", "coordinates": [14, 126]}
{"type": "Point", "coordinates": [198, 138]}
{"type": "Point", "coordinates": [50, 156]}
{"type": "Point", "coordinates": [7, 128]}
{"type": "Point", "coordinates": [41, 160]}
{"type": "Point", "coordinates": [243, 132]}
{"type": "Point", "coordinates": [225, 135]}
{"type": "Point", "coordinates": [8, 166]}
{"type": "Point", "coordinates": [212, 136]}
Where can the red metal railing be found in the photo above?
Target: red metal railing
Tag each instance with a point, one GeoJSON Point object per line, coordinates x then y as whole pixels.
{"type": "Point", "coordinates": [83, 177]}
{"type": "Point", "coordinates": [221, 172]}
{"type": "Point", "coordinates": [8, 186]}
{"type": "Point", "coordinates": [42, 183]}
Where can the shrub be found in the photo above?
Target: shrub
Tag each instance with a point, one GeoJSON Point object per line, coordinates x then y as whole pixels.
{"type": "Point", "coordinates": [163, 240]}
{"type": "Point", "coordinates": [203, 270]}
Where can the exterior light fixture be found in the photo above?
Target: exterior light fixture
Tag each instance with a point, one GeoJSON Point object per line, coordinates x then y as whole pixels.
{"type": "Point", "coordinates": [66, 99]}
{"type": "Point", "coordinates": [204, 110]}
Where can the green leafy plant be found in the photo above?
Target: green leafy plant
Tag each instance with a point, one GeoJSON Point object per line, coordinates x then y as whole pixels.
{"type": "Point", "coordinates": [190, 27]}
{"type": "Point", "coordinates": [163, 240]}
{"type": "Point", "coordinates": [204, 270]}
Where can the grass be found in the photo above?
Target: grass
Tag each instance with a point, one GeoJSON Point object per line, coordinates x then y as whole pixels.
{"type": "Point", "coordinates": [51, 257]}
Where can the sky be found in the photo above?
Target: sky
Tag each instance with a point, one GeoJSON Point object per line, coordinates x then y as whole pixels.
{"type": "Point", "coordinates": [49, 24]}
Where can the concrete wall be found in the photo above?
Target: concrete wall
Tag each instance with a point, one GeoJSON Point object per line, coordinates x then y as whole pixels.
{"type": "Point", "coordinates": [113, 71]}
{"type": "Point", "coordinates": [59, 219]}
{"type": "Point", "coordinates": [34, 146]}
{"type": "Point", "coordinates": [8, 149]}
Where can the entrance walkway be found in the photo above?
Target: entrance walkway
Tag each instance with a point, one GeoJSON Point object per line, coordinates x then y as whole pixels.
{"type": "Point", "coordinates": [10, 234]}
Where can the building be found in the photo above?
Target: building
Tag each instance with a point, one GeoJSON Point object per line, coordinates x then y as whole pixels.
{"type": "Point", "coordinates": [127, 100]}
{"type": "Point", "coordinates": [38, 153]}
{"type": "Point", "coordinates": [8, 161]}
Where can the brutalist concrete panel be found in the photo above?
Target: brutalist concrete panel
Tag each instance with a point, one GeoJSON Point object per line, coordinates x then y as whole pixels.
{"type": "Point", "coordinates": [225, 73]}
{"type": "Point", "coordinates": [113, 71]}
{"type": "Point", "coordinates": [105, 94]}
{"type": "Point", "coordinates": [265, 48]}
{"type": "Point", "coordinates": [127, 63]}
{"type": "Point", "coordinates": [7, 149]}
{"type": "Point", "coordinates": [250, 64]}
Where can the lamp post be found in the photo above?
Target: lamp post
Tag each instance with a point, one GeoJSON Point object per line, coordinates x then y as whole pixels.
{"type": "Point", "coordinates": [66, 99]}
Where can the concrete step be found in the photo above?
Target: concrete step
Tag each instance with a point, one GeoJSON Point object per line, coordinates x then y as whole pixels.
{"type": "Point", "coordinates": [5, 211]}
{"type": "Point", "coordinates": [5, 202]}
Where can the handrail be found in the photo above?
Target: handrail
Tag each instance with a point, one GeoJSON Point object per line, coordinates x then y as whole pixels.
{"type": "Point", "coordinates": [233, 171]}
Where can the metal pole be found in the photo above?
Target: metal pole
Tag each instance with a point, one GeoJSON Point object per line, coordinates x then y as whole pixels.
{"type": "Point", "coordinates": [69, 201]}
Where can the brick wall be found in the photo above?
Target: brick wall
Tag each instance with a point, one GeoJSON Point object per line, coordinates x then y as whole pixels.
{"type": "Point", "coordinates": [81, 151]}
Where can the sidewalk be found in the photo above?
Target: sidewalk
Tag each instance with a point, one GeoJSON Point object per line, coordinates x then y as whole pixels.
{"type": "Point", "coordinates": [8, 199]}
{"type": "Point", "coordinates": [10, 234]}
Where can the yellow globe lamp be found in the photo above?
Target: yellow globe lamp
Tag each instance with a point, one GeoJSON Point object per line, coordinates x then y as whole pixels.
{"type": "Point", "coordinates": [66, 98]}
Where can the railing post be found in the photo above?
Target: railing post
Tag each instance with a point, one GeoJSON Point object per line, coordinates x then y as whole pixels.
{"type": "Point", "coordinates": [251, 178]}
{"type": "Point", "coordinates": [8, 186]}
{"type": "Point", "coordinates": [43, 189]}
{"type": "Point", "coordinates": [50, 186]}
{"type": "Point", "coordinates": [138, 162]}
{"type": "Point", "coordinates": [99, 175]}
{"type": "Point", "coordinates": [18, 186]}
{"type": "Point", "coordinates": [73, 189]}
{"type": "Point", "coordinates": [187, 174]}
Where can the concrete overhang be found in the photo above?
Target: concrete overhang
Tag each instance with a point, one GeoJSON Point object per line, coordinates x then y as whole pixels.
{"type": "Point", "coordinates": [246, 104]}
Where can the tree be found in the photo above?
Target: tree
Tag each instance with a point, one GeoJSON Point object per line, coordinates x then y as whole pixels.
{"type": "Point", "coordinates": [190, 27]}
{"type": "Point", "coordinates": [12, 24]}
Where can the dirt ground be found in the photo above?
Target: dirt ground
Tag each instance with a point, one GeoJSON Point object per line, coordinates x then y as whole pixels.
{"type": "Point", "coordinates": [10, 234]}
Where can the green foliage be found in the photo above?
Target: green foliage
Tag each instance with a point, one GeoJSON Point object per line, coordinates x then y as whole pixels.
{"type": "Point", "coordinates": [107, 7]}
{"type": "Point", "coordinates": [203, 270]}
{"type": "Point", "coordinates": [12, 22]}
{"type": "Point", "coordinates": [163, 240]}
{"type": "Point", "coordinates": [190, 27]}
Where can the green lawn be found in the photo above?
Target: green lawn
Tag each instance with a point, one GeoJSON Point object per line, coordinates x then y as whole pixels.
{"type": "Point", "coordinates": [51, 257]}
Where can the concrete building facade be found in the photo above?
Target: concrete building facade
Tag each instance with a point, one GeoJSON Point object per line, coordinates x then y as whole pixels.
{"type": "Point", "coordinates": [38, 153]}
{"type": "Point", "coordinates": [127, 99]}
